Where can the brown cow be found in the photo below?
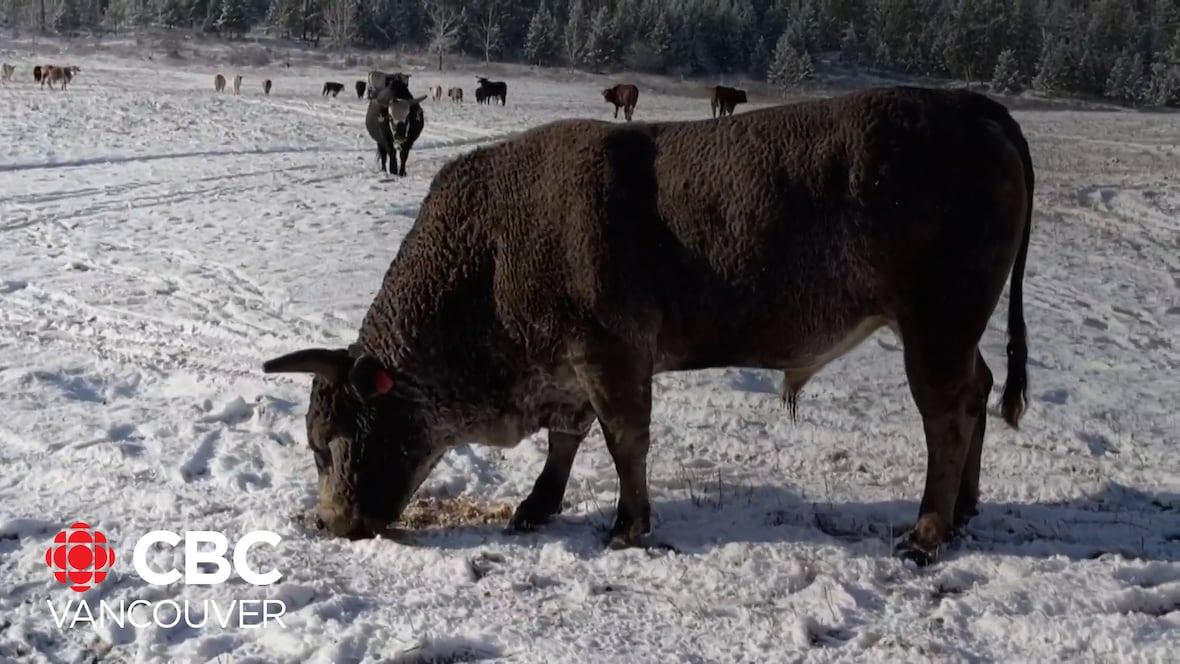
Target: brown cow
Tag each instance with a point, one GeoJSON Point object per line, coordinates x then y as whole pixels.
{"type": "Point", "coordinates": [816, 224]}
{"type": "Point", "coordinates": [725, 99]}
{"type": "Point", "coordinates": [38, 72]}
{"type": "Point", "coordinates": [219, 83]}
{"type": "Point", "coordinates": [7, 72]}
{"type": "Point", "coordinates": [53, 73]}
{"type": "Point", "coordinates": [266, 87]}
{"type": "Point", "coordinates": [455, 95]}
{"type": "Point", "coordinates": [623, 94]}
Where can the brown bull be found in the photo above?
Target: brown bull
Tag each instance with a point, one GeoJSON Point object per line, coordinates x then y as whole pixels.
{"type": "Point", "coordinates": [548, 278]}
{"type": "Point", "coordinates": [53, 74]}
{"type": "Point", "coordinates": [725, 99]}
{"type": "Point", "coordinates": [625, 95]}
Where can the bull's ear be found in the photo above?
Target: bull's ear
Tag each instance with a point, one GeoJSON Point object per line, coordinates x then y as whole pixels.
{"type": "Point", "coordinates": [331, 364]}
{"type": "Point", "coordinates": [370, 377]}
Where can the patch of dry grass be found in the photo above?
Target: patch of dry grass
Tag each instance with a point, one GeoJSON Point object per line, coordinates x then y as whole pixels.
{"type": "Point", "coordinates": [461, 511]}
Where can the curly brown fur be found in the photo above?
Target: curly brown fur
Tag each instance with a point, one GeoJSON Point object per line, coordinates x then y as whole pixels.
{"type": "Point", "coordinates": [549, 277]}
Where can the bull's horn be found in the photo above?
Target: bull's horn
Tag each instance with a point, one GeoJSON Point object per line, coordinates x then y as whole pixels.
{"type": "Point", "coordinates": [327, 363]}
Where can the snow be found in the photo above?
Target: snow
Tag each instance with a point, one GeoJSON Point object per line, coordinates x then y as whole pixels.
{"type": "Point", "coordinates": [159, 241]}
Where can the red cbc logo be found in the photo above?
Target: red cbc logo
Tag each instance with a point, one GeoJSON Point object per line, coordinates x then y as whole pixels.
{"type": "Point", "coordinates": [80, 557]}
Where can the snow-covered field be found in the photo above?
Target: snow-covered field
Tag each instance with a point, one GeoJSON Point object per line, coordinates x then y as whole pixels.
{"type": "Point", "coordinates": [158, 241]}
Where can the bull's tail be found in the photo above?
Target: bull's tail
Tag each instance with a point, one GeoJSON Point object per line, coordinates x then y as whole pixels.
{"type": "Point", "coordinates": [1014, 397]}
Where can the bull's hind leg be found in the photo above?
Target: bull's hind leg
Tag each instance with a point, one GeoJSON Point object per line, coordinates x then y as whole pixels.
{"type": "Point", "coordinates": [966, 506]}
{"type": "Point", "coordinates": [618, 383]}
{"type": "Point", "coordinates": [942, 371]}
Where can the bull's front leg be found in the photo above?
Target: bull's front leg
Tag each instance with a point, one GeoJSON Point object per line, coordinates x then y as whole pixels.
{"type": "Point", "coordinates": [549, 490]}
{"type": "Point", "coordinates": [404, 154]}
{"type": "Point", "coordinates": [618, 382]}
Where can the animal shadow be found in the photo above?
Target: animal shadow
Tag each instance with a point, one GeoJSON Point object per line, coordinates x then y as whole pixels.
{"type": "Point", "coordinates": [1115, 520]}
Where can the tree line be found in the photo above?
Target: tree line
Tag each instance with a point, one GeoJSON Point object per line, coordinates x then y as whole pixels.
{"type": "Point", "coordinates": [1127, 50]}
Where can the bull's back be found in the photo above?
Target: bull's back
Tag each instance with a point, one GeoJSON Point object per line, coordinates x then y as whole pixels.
{"type": "Point", "coordinates": [726, 237]}
{"type": "Point", "coordinates": [816, 214]}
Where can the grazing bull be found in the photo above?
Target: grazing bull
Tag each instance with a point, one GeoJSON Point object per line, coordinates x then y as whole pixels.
{"type": "Point", "coordinates": [547, 278]}
{"type": "Point", "coordinates": [266, 87]}
{"type": "Point", "coordinates": [238, 84]}
{"type": "Point", "coordinates": [360, 89]}
{"type": "Point", "coordinates": [725, 99]}
{"type": "Point", "coordinates": [625, 95]}
{"type": "Point", "coordinates": [455, 95]}
{"type": "Point", "coordinates": [219, 83]}
{"type": "Point", "coordinates": [331, 87]}
{"type": "Point", "coordinates": [6, 72]}
{"type": "Point", "coordinates": [491, 90]}
{"type": "Point", "coordinates": [395, 120]}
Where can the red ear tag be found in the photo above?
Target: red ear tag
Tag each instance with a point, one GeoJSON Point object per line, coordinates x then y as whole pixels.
{"type": "Point", "coordinates": [382, 382]}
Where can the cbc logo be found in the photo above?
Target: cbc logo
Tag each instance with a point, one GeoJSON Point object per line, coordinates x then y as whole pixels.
{"type": "Point", "coordinates": [81, 557]}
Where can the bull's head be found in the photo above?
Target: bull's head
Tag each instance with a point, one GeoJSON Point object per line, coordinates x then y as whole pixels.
{"type": "Point", "coordinates": [399, 109]}
{"type": "Point", "coordinates": [609, 95]}
{"type": "Point", "coordinates": [371, 444]}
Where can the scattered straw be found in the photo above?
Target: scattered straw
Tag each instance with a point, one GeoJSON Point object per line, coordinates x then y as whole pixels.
{"type": "Point", "coordinates": [461, 511]}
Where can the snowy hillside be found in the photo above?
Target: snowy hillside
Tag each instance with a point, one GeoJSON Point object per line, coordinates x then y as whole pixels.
{"type": "Point", "coordinates": [158, 241]}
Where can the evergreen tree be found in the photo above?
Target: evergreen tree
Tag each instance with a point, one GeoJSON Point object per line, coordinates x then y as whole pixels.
{"type": "Point", "coordinates": [851, 49]}
{"type": "Point", "coordinates": [233, 17]}
{"type": "Point", "coordinates": [574, 37]}
{"type": "Point", "coordinates": [1163, 89]}
{"type": "Point", "coordinates": [600, 42]}
{"type": "Point", "coordinates": [169, 13]}
{"type": "Point", "coordinates": [1126, 80]}
{"type": "Point", "coordinates": [541, 43]}
{"type": "Point", "coordinates": [789, 66]}
{"type": "Point", "coordinates": [1006, 77]}
{"type": "Point", "coordinates": [760, 59]}
{"type": "Point", "coordinates": [1024, 36]}
{"type": "Point", "coordinates": [1056, 69]}
{"type": "Point", "coordinates": [67, 17]}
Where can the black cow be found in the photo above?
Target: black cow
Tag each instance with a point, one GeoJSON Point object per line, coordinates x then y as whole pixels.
{"type": "Point", "coordinates": [488, 90]}
{"type": "Point", "coordinates": [395, 120]}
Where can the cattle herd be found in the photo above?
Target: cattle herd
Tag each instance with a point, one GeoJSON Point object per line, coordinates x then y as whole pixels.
{"type": "Point", "coordinates": [43, 74]}
{"type": "Point", "coordinates": [392, 104]}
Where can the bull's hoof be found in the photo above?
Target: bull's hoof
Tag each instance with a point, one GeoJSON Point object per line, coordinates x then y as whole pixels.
{"type": "Point", "coordinates": [909, 550]}
{"type": "Point", "coordinates": [531, 514]}
{"type": "Point", "coordinates": [628, 534]}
